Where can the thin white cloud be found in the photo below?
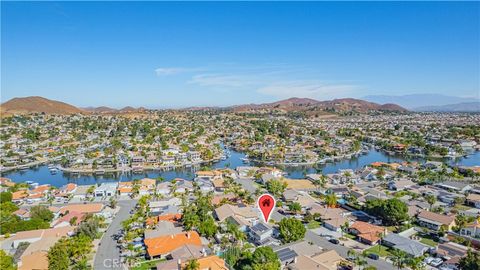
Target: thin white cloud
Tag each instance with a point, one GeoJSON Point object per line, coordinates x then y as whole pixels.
{"type": "Point", "coordinates": [223, 80]}
{"type": "Point", "coordinates": [167, 71]}
{"type": "Point", "coordinates": [271, 80]}
{"type": "Point", "coordinates": [308, 89]}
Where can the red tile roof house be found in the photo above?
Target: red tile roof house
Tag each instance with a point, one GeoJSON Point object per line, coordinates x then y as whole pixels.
{"type": "Point", "coordinates": [22, 213]}
{"type": "Point", "coordinates": [434, 221]}
{"type": "Point", "coordinates": [159, 247]}
{"type": "Point", "coordinates": [73, 216]}
{"type": "Point", "coordinates": [367, 233]}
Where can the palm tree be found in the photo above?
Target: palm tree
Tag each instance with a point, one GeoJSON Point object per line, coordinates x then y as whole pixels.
{"type": "Point", "coordinates": [398, 258]}
{"type": "Point", "coordinates": [415, 263]}
{"type": "Point", "coordinates": [430, 200]}
{"type": "Point", "coordinates": [113, 203]}
{"type": "Point", "coordinates": [352, 256]}
{"type": "Point", "coordinates": [331, 200]}
{"type": "Point", "coordinates": [344, 227]}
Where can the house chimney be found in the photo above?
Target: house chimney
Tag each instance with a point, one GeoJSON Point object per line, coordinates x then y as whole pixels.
{"type": "Point", "coordinates": [204, 252]}
{"type": "Point", "coordinates": [188, 235]}
{"type": "Point", "coordinates": [171, 236]}
{"type": "Point", "coordinates": [179, 263]}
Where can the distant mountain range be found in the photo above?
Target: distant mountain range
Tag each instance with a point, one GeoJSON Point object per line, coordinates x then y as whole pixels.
{"type": "Point", "coordinates": [312, 105]}
{"type": "Point", "coordinates": [418, 101]}
{"type": "Point", "coordinates": [104, 109]}
{"type": "Point", "coordinates": [459, 107]}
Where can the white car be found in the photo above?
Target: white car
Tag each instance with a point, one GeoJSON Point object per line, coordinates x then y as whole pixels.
{"type": "Point", "coordinates": [433, 261]}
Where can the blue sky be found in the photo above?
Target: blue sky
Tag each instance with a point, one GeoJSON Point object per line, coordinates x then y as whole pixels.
{"type": "Point", "coordinates": [165, 54]}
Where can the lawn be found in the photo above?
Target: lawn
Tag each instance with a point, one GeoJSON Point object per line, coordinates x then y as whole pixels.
{"type": "Point", "coordinates": [428, 242]}
{"type": "Point", "coordinates": [461, 207]}
{"type": "Point", "coordinates": [380, 250]}
{"type": "Point", "coordinates": [313, 224]}
{"type": "Point", "coordinates": [351, 236]}
{"type": "Point", "coordinates": [147, 265]}
{"type": "Point", "coordinates": [392, 228]}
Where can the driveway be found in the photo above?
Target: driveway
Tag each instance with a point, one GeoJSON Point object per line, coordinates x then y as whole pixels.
{"type": "Point", "coordinates": [108, 255]}
{"type": "Point", "coordinates": [342, 251]}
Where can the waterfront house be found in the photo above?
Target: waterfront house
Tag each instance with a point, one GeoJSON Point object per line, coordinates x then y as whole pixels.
{"type": "Point", "coordinates": [106, 189]}
{"type": "Point", "coordinates": [66, 190]}
{"type": "Point", "coordinates": [193, 156]}
{"type": "Point", "coordinates": [164, 188]}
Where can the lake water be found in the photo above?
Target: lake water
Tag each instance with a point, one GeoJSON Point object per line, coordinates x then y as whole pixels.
{"type": "Point", "coordinates": [42, 175]}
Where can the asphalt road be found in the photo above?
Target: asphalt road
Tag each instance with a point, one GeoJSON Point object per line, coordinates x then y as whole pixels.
{"type": "Point", "coordinates": [108, 255]}
{"type": "Point", "coordinates": [342, 251]}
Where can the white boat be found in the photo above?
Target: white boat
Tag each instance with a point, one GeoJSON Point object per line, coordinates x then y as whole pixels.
{"type": "Point", "coordinates": [245, 160]}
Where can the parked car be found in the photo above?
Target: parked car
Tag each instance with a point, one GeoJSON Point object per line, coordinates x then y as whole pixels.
{"type": "Point", "coordinates": [334, 241]}
{"type": "Point", "coordinates": [433, 261]}
{"type": "Point", "coordinates": [373, 256]}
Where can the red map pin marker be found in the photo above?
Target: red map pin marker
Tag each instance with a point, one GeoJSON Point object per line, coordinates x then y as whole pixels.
{"type": "Point", "coordinates": [266, 203]}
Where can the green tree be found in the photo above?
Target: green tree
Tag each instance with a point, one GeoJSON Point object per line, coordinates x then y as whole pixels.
{"type": "Point", "coordinates": [295, 207]}
{"type": "Point", "coordinates": [113, 203]}
{"type": "Point", "coordinates": [58, 256]}
{"type": "Point", "coordinates": [5, 197]}
{"type": "Point", "coordinates": [207, 228]}
{"type": "Point", "coordinates": [192, 265]}
{"type": "Point", "coordinates": [6, 262]}
{"type": "Point", "coordinates": [391, 211]}
{"type": "Point", "coordinates": [276, 187]}
{"type": "Point", "coordinates": [291, 230]}
{"type": "Point", "coordinates": [331, 200]}
{"type": "Point", "coordinates": [471, 261]}
{"type": "Point", "coordinates": [41, 212]}
{"type": "Point", "coordinates": [264, 258]}
{"type": "Point", "coordinates": [430, 199]}
{"type": "Point", "coordinates": [89, 227]}
{"type": "Point", "coordinates": [398, 258]}
{"type": "Point", "coordinates": [415, 263]}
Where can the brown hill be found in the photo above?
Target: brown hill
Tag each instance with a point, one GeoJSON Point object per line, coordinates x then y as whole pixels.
{"type": "Point", "coordinates": [35, 104]}
{"type": "Point", "coordinates": [315, 106]}
{"type": "Point", "coordinates": [101, 109]}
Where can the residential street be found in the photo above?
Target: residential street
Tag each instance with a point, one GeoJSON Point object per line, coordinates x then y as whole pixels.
{"type": "Point", "coordinates": [108, 255]}
{"type": "Point", "coordinates": [342, 251]}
